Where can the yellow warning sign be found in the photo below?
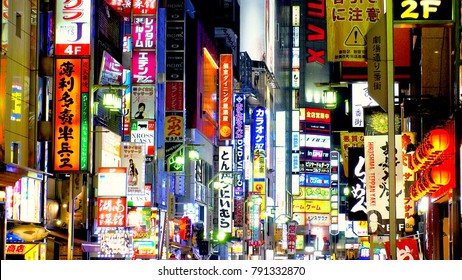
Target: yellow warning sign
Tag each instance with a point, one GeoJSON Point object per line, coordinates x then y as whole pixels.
{"type": "Point", "coordinates": [355, 38]}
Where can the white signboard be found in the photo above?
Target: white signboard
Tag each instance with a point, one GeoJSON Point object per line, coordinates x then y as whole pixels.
{"type": "Point", "coordinates": [73, 22]}
{"type": "Point", "coordinates": [225, 192]}
{"type": "Point", "coordinates": [112, 182]}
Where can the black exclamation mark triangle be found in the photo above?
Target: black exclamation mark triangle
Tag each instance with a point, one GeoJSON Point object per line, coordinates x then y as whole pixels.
{"type": "Point", "coordinates": [355, 38]}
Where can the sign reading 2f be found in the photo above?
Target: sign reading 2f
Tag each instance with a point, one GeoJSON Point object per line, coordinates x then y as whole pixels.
{"type": "Point", "coordinates": [73, 27]}
{"type": "Point", "coordinates": [423, 11]}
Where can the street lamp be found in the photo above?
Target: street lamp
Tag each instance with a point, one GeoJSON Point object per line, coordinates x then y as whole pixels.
{"type": "Point", "coordinates": [193, 155]}
{"type": "Point", "coordinates": [281, 222]}
{"type": "Point", "coordinates": [253, 206]}
{"type": "Point", "coordinates": [222, 182]}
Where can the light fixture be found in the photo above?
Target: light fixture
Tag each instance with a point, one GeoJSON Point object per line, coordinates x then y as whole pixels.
{"type": "Point", "coordinates": [112, 100]}
{"type": "Point", "coordinates": [329, 98]}
{"type": "Point", "coordinates": [194, 154]}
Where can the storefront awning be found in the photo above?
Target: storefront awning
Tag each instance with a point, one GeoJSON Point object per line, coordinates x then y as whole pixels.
{"type": "Point", "coordinates": [10, 173]}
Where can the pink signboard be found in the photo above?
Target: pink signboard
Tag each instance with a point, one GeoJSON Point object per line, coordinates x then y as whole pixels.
{"type": "Point", "coordinates": [144, 33]}
{"type": "Point", "coordinates": [143, 67]}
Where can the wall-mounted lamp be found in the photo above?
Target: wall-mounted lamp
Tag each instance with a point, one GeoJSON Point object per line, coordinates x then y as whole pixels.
{"type": "Point", "coordinates": [329, 98]}
{"type": "Point", "coordinates": [112, 100]}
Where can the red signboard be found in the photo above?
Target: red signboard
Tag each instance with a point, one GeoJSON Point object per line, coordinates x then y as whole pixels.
{"type": "Point", "coordinates": [174, 96]}
{"type": "Point", "coordinates": [407, 249]}
{"type": "Point", "coordinates": [144, 7]}
{"type": "Point", "coordinates": [112, 212]}
{"type": "Point", "coordinates": [316, 115]}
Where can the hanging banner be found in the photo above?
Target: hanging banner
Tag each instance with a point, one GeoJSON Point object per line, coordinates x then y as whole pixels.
{"type": "Point", "coordinates": [407, 249]}
{"type": "Point", "coordinates": [291, 237]}
{"type": "Point", "coordinates": [377, 190]}
{"type": "Point", "coordinates": [133, 158]}
{"type": "Point", "coordinates": [347, 24]}
{"type": "Point", "coordinates": [357, 207]}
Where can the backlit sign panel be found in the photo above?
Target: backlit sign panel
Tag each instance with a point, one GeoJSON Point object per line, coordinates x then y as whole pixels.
{"type": "Point", "coordinates": [73, 22]}
{"type": "Point", "coordinates": [311, 206]}
{"type": "Point", "coordinates": [422, 11]}
{"type": "Point", "coordinates": [225, 192]}
{"type": "Point", "coordinates": [112, 181]}
{"type": "Point", "coordinates": [239, 130]}
{"type": "Point", "coordinates": [71, 120]}
{"type": "Point", "coordinates": [144, 33]}
{"type": "Point", "coordinates": [112, 212]}
{"type": "Point", "coordinates": [143, 67]}
{"type": "Point", "coordinates": [226, 96]}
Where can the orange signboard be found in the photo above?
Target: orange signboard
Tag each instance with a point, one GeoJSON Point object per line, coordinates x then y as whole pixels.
{"type": "Point", "coordinates": [70, 142]}
{"type": "Point", "coordinates": [226, 96]}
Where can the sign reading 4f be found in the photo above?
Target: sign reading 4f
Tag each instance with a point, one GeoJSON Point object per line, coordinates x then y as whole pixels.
{"type": "Point", "coordinates": [423, 11]}
{"type": "Point", "coordinates": [73, 21]}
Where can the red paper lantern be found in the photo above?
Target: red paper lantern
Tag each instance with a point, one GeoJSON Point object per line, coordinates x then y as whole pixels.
{"type": "Point", "coordinates": [439, 176]}
{"type": "Point", "coordinates": [185, 228]}
{"type": "Point", "coordinates": [440, 140]}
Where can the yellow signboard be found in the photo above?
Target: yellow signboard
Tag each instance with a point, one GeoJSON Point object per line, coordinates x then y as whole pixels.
{"type": "Point", "coordinates": [311, 206]}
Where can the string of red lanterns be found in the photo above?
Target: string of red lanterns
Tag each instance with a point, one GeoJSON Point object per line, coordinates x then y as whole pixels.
{"type": "Point", "coordinates": [432, 177]}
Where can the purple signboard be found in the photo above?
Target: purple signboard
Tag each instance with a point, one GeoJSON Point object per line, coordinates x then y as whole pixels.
{"type": "Point", "coordinates": [239, 126]}
{"type": "Point", "coordinates": [111, 71]}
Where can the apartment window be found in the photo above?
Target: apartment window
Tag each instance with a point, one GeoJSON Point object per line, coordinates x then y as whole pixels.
{"type": "Point", "coordinates": [18, 24]}
{"type": "Point", "coordinates": [15, 153]}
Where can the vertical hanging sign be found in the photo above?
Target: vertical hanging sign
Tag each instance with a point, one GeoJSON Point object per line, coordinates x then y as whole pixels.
{"type": "Point", "coordinates": [71, 120]}
{"type": "Point", "coordinates": [226, 97]}
{"type": "Point", "coordinates": [259, 154]}
{"type": "Point", "coordinates": [225, 160]}
{"type": "Point", "coordinates": [73, 24]}
{"type": "Point", "coordinates": [239, 191]}
{"type": "Point", "coordinates": [143, 79]}
{"type": "Point", "coordinates": [174, 125]}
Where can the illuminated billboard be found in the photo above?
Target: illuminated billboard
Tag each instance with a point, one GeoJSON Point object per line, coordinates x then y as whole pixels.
{"type": "Point", "coordinates": [71, 119]}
